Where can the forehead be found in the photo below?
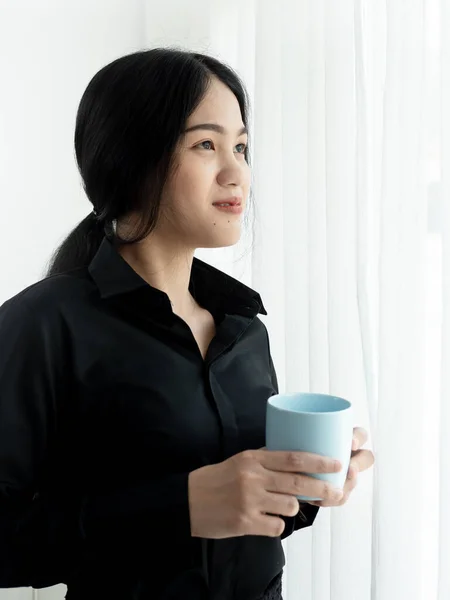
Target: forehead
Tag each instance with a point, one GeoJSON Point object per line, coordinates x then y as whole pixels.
{"type": "Point", "coordinates": [219, 105]}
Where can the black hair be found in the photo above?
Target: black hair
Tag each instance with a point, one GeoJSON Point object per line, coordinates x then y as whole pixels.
{"type": "Point", "coordinates": [128, 124]}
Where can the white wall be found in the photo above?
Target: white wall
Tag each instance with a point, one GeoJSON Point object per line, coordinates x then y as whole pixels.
{"type": "Point", "coordinates": [49, 50]}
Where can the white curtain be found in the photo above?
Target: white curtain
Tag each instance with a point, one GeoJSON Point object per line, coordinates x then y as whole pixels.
{"type": "Point", "coordinates": [351, 153]}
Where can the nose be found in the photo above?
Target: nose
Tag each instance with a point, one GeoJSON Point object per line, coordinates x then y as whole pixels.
{"type": "Point", "coordinates": [233, 173]}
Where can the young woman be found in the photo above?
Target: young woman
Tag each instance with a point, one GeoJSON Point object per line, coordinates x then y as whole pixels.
{"type": "Point", "coordinates": [134, 378]}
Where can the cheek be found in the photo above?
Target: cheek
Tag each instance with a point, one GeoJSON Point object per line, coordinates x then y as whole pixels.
{"type": "Point", "coordinates": [183, 193]}
{"type": "Point", "coordinates": [189, 191]}
{"type": "Point", "coordinates": [192, 180]}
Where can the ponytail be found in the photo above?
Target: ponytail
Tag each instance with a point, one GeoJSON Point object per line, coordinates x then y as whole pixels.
{"type": "Point", "coordinates": [79, 247]}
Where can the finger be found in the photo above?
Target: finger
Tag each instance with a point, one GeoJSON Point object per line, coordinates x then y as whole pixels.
{"type": "Point", "coordinates": [348, 488]}
{"type": "Point", "coordinates": [298, 462]}
{"type": "Point", "coordinates": [350, 485]}
{"type": "Point", "coordinates": [266, 524]}
{"type": "Point", "coordinates": [296, 484]}
{"type": "Point", "coordinates": [362, 460]}
{"type": "Point", "coordinates": [352, 472]}
{"type": "Point", "coordinates": [280, 504]}
{"type": "Point", "coordinates": [345, 498]}
{"type": "Point", "coordinates": [330, 504]}
{"type": "Point", "coordinates": [360, 437]}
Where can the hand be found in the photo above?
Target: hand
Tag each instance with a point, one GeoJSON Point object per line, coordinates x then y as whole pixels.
{"type": "Point", "coordinates": [248, 493]}
{"type": "Point", "coordinates": [361, 460]}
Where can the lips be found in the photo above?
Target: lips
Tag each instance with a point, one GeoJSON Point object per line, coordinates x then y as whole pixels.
{"type": "Point", "coordinates": [234, 201]}
{"type": "Point", "coordinates": [234, 209]}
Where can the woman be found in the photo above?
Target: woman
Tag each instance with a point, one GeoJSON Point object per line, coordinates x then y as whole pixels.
{"type": "Point", "coordinates": [134, 378]}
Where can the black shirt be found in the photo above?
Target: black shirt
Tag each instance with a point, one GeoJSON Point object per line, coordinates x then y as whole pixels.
{"type": "Point", "coordinates": [106, 406]}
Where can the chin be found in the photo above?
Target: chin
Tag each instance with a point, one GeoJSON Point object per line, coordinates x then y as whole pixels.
{"type": "Point", "coordinates": [223, 241]}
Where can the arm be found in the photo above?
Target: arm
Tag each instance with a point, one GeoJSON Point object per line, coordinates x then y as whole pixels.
{"type": "Point", "coordinates": [33, 525]}
{"type": "Point", "coordinates": [307, 513]}
{"type": "Point", "coordinates": [45, 520]}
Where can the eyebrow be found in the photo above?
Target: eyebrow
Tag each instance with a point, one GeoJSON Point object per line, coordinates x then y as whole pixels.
{"type": "Point", "coordinates": [213, 127]}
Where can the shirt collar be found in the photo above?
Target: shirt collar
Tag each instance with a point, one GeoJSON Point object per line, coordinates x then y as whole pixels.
{"type": "Point", "coordinates": [209, 286]}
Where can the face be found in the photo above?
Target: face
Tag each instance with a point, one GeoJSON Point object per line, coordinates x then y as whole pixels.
{"type": "Point", "coordinates": [210, 169]}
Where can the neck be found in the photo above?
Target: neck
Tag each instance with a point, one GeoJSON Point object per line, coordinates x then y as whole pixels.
{"type": "Point", "coordinates": [165, 267]}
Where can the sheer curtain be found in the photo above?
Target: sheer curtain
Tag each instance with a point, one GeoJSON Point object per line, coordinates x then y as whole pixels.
{"type": "Point", "coordinates": [351, 250]}
{"type": "Point", "coordinates": [350, 135]}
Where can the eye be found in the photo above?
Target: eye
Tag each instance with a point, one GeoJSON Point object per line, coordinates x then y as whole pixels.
{"type": "Point", "coordinates": [201, 145]}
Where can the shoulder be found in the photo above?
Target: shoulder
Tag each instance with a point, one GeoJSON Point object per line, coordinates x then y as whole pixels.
{"type": "Point", "coordinates": [257, 336]}
{"type": "Point", "coordinates": [261, 326]}
{"type": "Point", "coordinates": [45, 299]}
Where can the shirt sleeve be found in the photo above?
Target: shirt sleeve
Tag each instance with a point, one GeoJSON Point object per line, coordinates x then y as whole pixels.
{"type": "Point", "coordinates": [34, 527]}
{"type": "Point", "coordinates": [307, 513]}
{"type": "Point", "coordinates": [44, 526]}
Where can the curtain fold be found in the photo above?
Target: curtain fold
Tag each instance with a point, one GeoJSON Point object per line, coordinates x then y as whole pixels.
{"type": "Point", "coordinates": [444, 196]}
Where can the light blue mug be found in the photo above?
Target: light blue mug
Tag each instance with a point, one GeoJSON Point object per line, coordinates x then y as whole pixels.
{"type": "Point", "coordinates": [316, 423]}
